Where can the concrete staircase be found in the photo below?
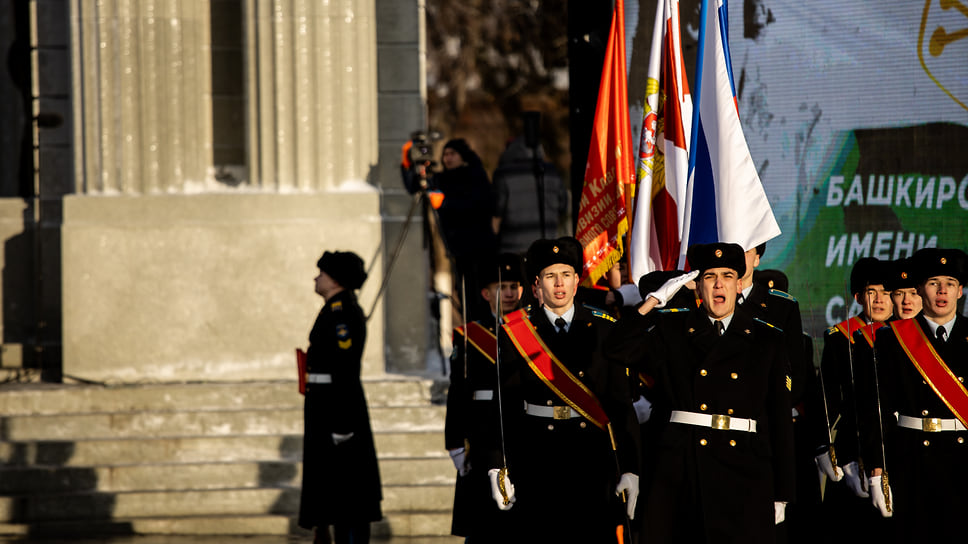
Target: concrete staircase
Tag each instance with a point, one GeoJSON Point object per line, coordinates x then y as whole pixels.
{"type": "Point", "coordinates": [201, 459]}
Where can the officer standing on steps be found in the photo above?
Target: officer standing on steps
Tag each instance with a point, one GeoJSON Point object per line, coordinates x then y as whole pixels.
{"type": "Point", "coordinates": [341, 478]}
{"type": "Point", "coordinates": [472, 403]}
{"type": "Point", "coordinates": [918, 474]}
{"type": "Point", "coordinates": [724, 463]}
{"type": "Point", "coordinates": [570, 436]}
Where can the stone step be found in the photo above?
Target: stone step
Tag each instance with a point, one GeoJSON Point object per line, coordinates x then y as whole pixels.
{"type": "Point", "coordinates": [81, 453]}
{"type": "Point", "coordinates": [422, 527]}
{"type": "Point", "coordinates": [43, 398]}
{"type": "Point", "coordinates": [154, 424]}
{"type": "Point", "coordinates": [37, 480]}
{"type": "Point", "coordinates": [107, 506]}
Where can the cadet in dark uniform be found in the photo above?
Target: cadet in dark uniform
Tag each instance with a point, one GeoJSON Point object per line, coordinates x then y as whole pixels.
{"type": "Point", "coordinates": [341, 479]}
{"type": "Point", "coordinates": [472, 403]}
{"type": "Point", "coordinates": [846, 513]}
{"type": "Point", "coordinates": [766, 300]}
{"type": "Point", "coordinates": [565, 408]}
{"type": "Point", "coordinates": [921, 365]}
{"type": "Point", "coordinates": [724, 461]}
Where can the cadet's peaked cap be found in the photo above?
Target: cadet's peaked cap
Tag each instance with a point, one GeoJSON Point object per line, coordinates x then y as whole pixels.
{"type": "Point", "coordinates": [901, 275]}
{"type": "Point", "coordinates": [931, 262]}
{"type": "Point", "coordinates": [345, 267]}
{"type": "Point", "coordinates": [772, 279]}
{"type": "Point", "coordinates": [544, 253]}
{"type": "Point", "coordinates": [510, 266]}
{"type": "Point", "coordinates": [868, 271]}
{"type": "Point", "coordinates": [702, 257]}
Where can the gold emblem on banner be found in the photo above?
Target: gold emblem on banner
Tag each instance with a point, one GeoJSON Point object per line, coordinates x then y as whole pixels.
{"type": "Point", "coordinates": [944, 35]}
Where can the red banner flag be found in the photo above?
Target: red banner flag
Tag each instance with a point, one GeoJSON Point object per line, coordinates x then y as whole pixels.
{"type": "Point", "coordinates": [602, 218]}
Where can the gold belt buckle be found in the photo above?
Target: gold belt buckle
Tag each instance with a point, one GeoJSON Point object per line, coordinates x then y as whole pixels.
{"type": "Point", "coordinates": [720, 422]}
{"type": "Point", "coordinates": [562, 412]}
{"type": "Point", "coordinates": [931, 425]}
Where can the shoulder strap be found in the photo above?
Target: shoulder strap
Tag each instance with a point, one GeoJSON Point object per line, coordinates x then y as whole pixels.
{"type": "Point", "coordinates": [932, 367]}
{"type": "Point", "coordinates": [553, 373]}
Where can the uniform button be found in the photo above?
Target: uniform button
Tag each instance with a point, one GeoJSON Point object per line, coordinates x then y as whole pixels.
{"type": "Point", "coordinates": [703, 407]}
{"type": "Point", "coordinates": [703, 372]}
{"type": "Point", "coordinates": [581, 373]}
{"type": "Point", "coordinates": [549, 403]}
{"type": "Point", "coordinates": [551, 427]}
{"type": "Point", "coordinates": [961, 379]}
{"type": "Point", "coordinates": [961, 440]}
{"type": "Point", "coordinates": [927, 442]}
{"type": "Point", "coordinates": [703, 442]}
{"type": "Point", "coordinates": [924, 412]}
{"type": "Point", "coordinates": [732, 443]}
{"type": "Point", "coordinates": [730, 411]}
{"type": "Point", "coordinates": [582, 424]}
{"type": "Point", "coordinates": [734, 375]}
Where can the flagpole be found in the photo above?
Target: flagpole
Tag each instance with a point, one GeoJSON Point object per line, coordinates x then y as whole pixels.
{"type": "Point", "coordinates": [694, 135]}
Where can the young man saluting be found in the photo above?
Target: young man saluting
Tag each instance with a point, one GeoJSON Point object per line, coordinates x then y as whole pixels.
{"type": "Point", "coordinates": [724, 465]}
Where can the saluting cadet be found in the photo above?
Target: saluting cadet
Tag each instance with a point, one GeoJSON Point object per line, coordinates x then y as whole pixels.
{"type": "Point", "coordinates": [570, 435]}
{"type": "Point", "coordinates": [920, 476]}
{"type": "Point", "coordinates": [341, 478]}
{"type": "Point", "coordinates": [846, 514]}
{"type": "Point", "coordinates": [772, 304]}
{"type": "Point", "coordinates": [472, 402]}
{"type": "Point", "coordinates": [724, 461]}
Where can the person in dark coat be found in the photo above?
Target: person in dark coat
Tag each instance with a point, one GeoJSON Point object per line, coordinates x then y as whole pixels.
{"type": "Point", "coordinates": [846, 507]}
{"type": "Point", "coordinates": [918, 473]}
{"type": "Point", "coordinates": [472, 398]}
{"type": "Point", "coordinates": [341, 478]}
{"type": "Point", "coordinates": [516, 218]}
{"type": "Point", "coordinates": [570, 440]}
{"type": "Point", "coordinates": [764, 294]}
{"type": "Point", "coordinates": [465, 218]}
{"type": "Point", "coordinates": [723, 468]}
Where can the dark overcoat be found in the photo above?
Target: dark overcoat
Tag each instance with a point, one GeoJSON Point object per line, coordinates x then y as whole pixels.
{"type": "Point", "coordinates": [564, 470]}
{"type": "Point", "coordinates": [927, 471]}
{"type": "Point", "coordinates": [341, 483]}
{"type": "Point", "coordinates": [472, 412]}
{"type": "Point", "coordinates": [712, 485]}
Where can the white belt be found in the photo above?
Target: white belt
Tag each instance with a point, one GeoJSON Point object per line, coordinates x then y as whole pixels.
{"type": "Point", "coordinates": [483, 394]}
{"type": "Point", "coordinates": [319, 378]}
{"type": "Point", "coordinates": [714, 421]}
{"type": "Point", "coordinates": [930, 424]}
{"type": "Point", "coordinates": [554, 412]}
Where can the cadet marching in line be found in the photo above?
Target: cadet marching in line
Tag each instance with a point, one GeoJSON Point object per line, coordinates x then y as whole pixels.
{"type": "Point", "coordinates": [742, 432]}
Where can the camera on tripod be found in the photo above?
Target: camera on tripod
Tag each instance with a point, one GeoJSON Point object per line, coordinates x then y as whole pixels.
{"type": "Point", "coordinates": [417, 163]}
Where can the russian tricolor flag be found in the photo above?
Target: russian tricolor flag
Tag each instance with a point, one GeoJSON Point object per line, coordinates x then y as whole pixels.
{"type": "Point", "coordinates": [725, 200]}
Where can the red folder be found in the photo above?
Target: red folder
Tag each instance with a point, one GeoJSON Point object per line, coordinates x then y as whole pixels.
{"type": "Point", "coordinates": [301, 369]}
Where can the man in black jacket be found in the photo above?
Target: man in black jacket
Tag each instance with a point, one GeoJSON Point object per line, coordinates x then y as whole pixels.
{"type": "Point", "coordinates": [921, 364]}
{"type": "Point", "coordinates": [724, 463]}
{"type": "Point", "coordinates": [570, 435]}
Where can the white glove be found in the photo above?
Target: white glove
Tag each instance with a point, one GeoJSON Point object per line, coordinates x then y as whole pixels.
{"type": "Point", "coordinates": [779, 512]}
{"type": "Point", "coordinates": [496, 489]}
{"type": "Point", "coordinates": [877, 497]}
{"type": "Point", "coordinates": [629, 484]}
{"type": "Point", "coordinates": [340, 438]}
{"type": "Point", "coordinates": [643, 409]}
{"type": "Point", "coordinates": [855, 480]}
{"type": "Point", "coordinates": [459, 457]}
{"type": "Point", "coordinates": [833, 472]}
{"type": "Point", "coordinates": [671, 287]}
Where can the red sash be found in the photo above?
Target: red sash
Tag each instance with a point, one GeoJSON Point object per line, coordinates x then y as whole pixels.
{"type": "Point", "coordinates": [301, 370]}
{"type": "Point", "coordinates": [869, 330]}
{"type": "Point", "coordinates": [932, 368]}
{"type": "Point", "coordinates": [482, 339]}
{"type": "Point", "coordinates": [552, 372]}
{"type": "Point", "coordinates": [847, 327]}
